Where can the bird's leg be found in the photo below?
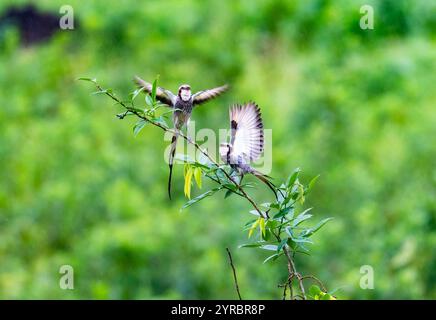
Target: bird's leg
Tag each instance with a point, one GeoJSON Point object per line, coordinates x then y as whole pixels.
{"type": "Point", "coordinates": [240, 180]}
{"type": "Point", "coordinates": [189, 132]}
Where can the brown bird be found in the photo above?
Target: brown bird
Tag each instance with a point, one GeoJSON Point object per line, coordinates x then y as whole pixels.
{"type": "Point", "coordinates": [246, 141]}
{"type": "Point", "coordinates": [182, 103]}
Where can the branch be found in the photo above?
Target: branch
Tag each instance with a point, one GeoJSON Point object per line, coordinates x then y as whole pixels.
{"type": "Point", "coordinates": [234, 273]}
{"type": "Point", "coordinates": [292, 271]}
{"type": "Point", "coordinates": [316, 280]}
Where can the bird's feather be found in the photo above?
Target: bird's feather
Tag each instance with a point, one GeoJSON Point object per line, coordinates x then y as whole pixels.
{"type": "Point", "coordinates": [246, 132]}
{"type": "Point", "coordinates": [171, 160]}
{"type": "Point", "coordinates": [206, 95]}
{"type": "Point", "coordinates": [163, 95]}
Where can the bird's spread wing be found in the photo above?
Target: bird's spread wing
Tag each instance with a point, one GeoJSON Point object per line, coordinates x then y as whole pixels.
{"type": "Point", "coordinates": [164, 96]}
{"type": "Point", "coordinates": [246, 131]}
{"type": "Point", "coordinates": [206, 95]}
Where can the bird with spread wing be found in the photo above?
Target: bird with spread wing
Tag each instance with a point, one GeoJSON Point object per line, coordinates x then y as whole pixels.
{"type": "Point", "coordinates": [246, 141]}
{"type": "Point", "coordinates": [182, 103]}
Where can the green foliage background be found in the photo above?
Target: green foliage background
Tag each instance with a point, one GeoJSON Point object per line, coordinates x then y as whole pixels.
{"type": "Point", "coordinates": [356, 106]}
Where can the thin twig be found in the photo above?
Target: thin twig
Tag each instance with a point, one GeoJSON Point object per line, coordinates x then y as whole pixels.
{"type": "Point", "coordinates": [234, 273]}
{"type": "Point", "coordinates": [290, 288]}
{"type": "Point", "coordinates": [285, 286]}
{"type": "Point", "coordinates": [316, 280]}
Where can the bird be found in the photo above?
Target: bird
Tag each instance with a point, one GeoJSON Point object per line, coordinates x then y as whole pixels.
{"type": "Point", "coordinates": [183, 102]}
{"type": "Point", "coordinates": [246, 142]}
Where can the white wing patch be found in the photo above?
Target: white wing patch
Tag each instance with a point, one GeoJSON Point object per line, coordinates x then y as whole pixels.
{"type": "Point", "coordinates": [247, 131]}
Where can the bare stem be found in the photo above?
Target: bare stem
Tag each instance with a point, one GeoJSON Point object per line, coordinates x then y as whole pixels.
{"type": "Point", "coordinates": [316, 280]}
{"type": "Point", "coordinates": [234, 273]}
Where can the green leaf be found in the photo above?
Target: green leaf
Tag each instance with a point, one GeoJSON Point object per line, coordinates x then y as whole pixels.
{"type": "Point", "coordinates": [228, 194]}
{"type": "Point", "coordinates": [220, 174]}
{"type": "Point", "coordinates": [200, 197]}
{"type": "Point", "coordinates": [282, 244]}
{"type": "Point", "coordinates": [283, 212]}
{"type": "Point", "coordinates": [249, 224]}
{"type": "Point", "coordinates": [138, 126]}
{"type": "Point", "coordinates": [301, 240]}
{"type": "Point", "coordinates": [230, 186]}
{"type": "Point", "coordinates": [252, 245]}
{"type": "Point", "coordinates": [293, 177]}
{"type": "Point", "coordinates": [149, 100]}
{"type": "Point", "coordinates": [270, 247]}
{"type": "Point", "coordinates": [262, 226]}
{"type": "Point", "coordinates": [301, 197]}
{"type": "Point", "coordinates": [309, 232]}
{"type": "Point", "coordinates": [161, 120]}
{"type": "Point", "coordinates": [327, 296]}
{"type": "Point", "coordinates": [135, 93]}
{"type": "Point", "coordinates": [267, 235]}
{"type": "Point", "coordinates": [183, 158]}
{"type": "Point", "coordinates": [188, 179]}
{"type": "Point", "coordinates": [153, 89]}
{"type": "Point", "coordinates": [311, 184]}
{"type": "Point", "coordinates": [301, 217]}
{"type": "Point", "coordinates": [94, 80]}
{"type": "Point", "coordinates": [103, 91]}
{"type": "Point", "coordinates": [275, 205]}
{"type": "Point", "coordinates": [253, 227]}
{"type": "Point", "coordinates": [314, 290]}
{"type": "Point", "coordinates": [295, 239]}
{"type": "Point", "coordinates": [255, 212]}
{"type": "Point", "coordinates": [186, 166]}
{"type": "Point", "coordinates": [197, 176]}
{"type": "Point", "coordinates": [272, 257]}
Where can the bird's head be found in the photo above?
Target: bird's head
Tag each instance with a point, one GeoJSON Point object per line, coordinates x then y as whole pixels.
{"type": "Point", "coordinates": [185, 92]}
{"type": "Point", "coordinates": [224, 151]}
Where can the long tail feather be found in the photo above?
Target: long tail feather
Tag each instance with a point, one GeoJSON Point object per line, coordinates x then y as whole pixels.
{"type": "Point", "coordinates": [265, 180]}
{"type": "Point", "coordinates": [171, 160]}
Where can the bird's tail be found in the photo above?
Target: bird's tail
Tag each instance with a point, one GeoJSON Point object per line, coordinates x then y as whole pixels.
{"type": "Point", "coordinates": [171, 159]}
{"type": "Point", "coordinates": [140, 83]}
{"type": "Point", "coordinates": [266, 179]}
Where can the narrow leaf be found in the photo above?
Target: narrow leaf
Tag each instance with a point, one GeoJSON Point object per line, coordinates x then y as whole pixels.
{"type": "Point", "coordinates": [94, 80]}
{"type": "Point", "coordinates": [301, 217]}
{"type": "Point", "coordinates": [228, 194]}
{"type": "Point", "coordinates": [188, 179]}
{"type": "Point", "coordinates": [136, 92]}
{"type": "Point", "coordinates": [149, 100]}
{"type": "Point", "coordinates": [283, 212]}
{"type": "Point", "coordinates": [253, 227]}
{"type": "Point", "coordinates": [138, 127]}
{"type": "Point", "coordinates": [197, 176]}
{"type": "Point", "coordinates": [153, 90]}
{"type": "Point", "coordinates": [293, 177]}
{"type": "Point", "coordinates": [200, 197]}
{"type": "Point", "coordinates": [269, 247]}
{"type": "Point", "coordinates": [252, 245]}
{"type": "Point", "coordinates": [314, 290]}
{"type": "Point", "coordinates": [272, 257]}
{"type": "Point", "coordinates": [311, 184]}
{"type": "Point", "coordinates": [262, 226]}
{"type": "Point", "coordinates": [309, 232]}
{"type": "Point", "coordinates": [282, 244]}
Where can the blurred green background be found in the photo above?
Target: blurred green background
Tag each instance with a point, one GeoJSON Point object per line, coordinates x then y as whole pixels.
{"type": "Point", "coordinates": [355, 106]}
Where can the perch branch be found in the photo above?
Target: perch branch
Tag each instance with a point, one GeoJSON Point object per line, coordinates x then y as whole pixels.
{"type": "Point", "coordinates": [292, 271]}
